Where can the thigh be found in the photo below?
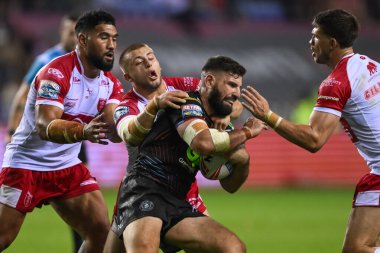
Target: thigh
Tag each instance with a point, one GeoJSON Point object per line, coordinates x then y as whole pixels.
{"type": "Point", "coordinates": [11, 221]}
{"type": "Point", "coordinates": [203, 234]}
{"type": "Point", "coordinates": [85, 213]}
{"type": "Point", "coordinates": [363, 227]}
{"type": "Point", "coordinates": [143, 235]}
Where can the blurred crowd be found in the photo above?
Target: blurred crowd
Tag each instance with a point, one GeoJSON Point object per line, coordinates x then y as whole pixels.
{"type": "Point", "coordinates": [22, 37]}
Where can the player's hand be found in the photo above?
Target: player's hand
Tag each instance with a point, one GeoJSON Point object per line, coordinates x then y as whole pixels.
{"type": "Point", "coordinates": [221, 123]}
{"type": "Point", "coordinates": [255, 103]}
{"type": "Point", "coordinates": [96, 131]}
{"type": "Point", "coordinates": [255, 126]}
{"type": "Point", "coordinates": [171, 99]}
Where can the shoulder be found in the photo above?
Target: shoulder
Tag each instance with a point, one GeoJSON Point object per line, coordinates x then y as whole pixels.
{"type": "Point", "coordinates": [182, 83]}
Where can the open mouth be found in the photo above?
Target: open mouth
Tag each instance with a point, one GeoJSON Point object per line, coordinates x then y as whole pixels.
{"type": "Point", "coordinates": [109, 56]}
{"type": "Point", "coordinates": [153, 75]}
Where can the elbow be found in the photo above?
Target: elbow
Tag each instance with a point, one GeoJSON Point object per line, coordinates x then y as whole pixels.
{"type": "Point", "coordinates": [314, 147]}
{"type": "Point", "coordinates": [41, 129]}
{"type": "Point", "coordinates": [202, 147]}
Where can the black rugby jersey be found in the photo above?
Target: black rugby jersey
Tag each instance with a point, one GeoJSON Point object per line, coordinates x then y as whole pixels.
{"type": "Point", "coordinates": [164, 156]}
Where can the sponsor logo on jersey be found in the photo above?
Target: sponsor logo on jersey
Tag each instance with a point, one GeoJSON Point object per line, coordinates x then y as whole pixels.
{"type": "Point", "coordinates": [28, 199]}
{"type": "Point", "coordinates": [372, 91]}
{"type": "Point", "coordinates": [88, 182]}
{"type": "Point", "coordinates": [328, 98]}
{"type": "Point", "coordinates": [101, 104]}
{"type": "Point", "coordinates": [76, 80]}
{"type": "Point", "coordinates": [146, 205]}
{"type": "Point", "coordinates": [188, 81]}
{"type": "Point", "coordinates": [120, 112]}
{"type": "Point", "coordinates": [48, 89]}
{"type": "Point", "coordinates": [372, 68]}
{"type": "Point", "coordinates": [190, 111]}
{"type": "Point", "coordinates": [330, 82]}
{"type": "Point", "coordinates": [55, 72]}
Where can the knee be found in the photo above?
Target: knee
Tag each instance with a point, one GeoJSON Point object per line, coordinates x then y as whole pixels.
{"type": "Point", "coordinates": [5, 241]}
{"type": "Point", "coordinates": [234, 245]}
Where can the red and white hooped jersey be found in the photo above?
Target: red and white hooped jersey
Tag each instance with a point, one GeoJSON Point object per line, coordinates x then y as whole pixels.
{"type": "Point", "coordinates": [60, 83]}
{"type": "Point", "coordinates": [352, 92]}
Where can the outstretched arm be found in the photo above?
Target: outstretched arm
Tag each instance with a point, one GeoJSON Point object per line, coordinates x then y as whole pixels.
{"type": "Point", "coordinates": [310, 137]}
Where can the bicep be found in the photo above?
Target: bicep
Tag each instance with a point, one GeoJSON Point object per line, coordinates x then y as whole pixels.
{"type": "Point", "coordinates": [323, 124]}
{"type": "Point", "coordinates": [45, 114]}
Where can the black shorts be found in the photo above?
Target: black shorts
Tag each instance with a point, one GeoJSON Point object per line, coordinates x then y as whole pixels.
{"type": "Point", "coordinates": [141, 197]}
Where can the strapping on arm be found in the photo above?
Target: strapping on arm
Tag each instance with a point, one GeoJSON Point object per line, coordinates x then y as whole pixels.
{"type": "Point", "coordinates": [221, 140]}
{"type": "Point", "coordinates": [63, 131]}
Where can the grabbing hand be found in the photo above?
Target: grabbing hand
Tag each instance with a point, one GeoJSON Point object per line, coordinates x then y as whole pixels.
{"type": "Point", "coordinates": [255, 126]}
{"type": "Point", "coordinates": [256, 103]}
{"type": "Point", "coordinates": [171, 99]}
{"type": "Point", "coordinates": [221, 123]}
{"type": "Point", "coordinates": [96, 131]}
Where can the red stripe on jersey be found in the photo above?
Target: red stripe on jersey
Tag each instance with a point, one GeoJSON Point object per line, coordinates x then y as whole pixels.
{"type": "Point", "coordinates": [79, 118]}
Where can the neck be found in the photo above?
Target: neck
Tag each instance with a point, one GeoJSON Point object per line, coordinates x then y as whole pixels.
{"type": "Point", "coordinates": [89, 70]}
{"type": "Point", "coordinates": [150, 93]}
{"type": "Point", "coordinates": [338, 55]}
{"type": "Point", "coordinates": [205, 103]}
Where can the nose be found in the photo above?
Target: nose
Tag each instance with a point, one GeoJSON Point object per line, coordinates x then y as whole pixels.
{"type": "Point", "coordinates": [311, 42]}
{"type": "Point", "coordinates": [236, 92]}
{"type": "Point", "coordinates": [111, 43]}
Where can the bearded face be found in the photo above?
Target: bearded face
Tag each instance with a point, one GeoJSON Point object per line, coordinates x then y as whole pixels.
{"type": "Point", "coordinates": [99, 61]}
{"type": "Point", "coordinates": [221, 106]}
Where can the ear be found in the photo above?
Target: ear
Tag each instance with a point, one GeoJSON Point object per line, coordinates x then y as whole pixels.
{"type": "Point", "coordinates": [82, 40]}
{"type": "Point", "coordinates": [209, 80]}
{"type": "Point", "coordinates": [334, 44]}
{"type": "Point", "coordinates": [127, 77]}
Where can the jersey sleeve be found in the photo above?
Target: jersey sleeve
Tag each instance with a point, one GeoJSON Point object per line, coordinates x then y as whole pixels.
{"type": "Point", "coordinates": [52, 84]}
{"type": "Point", "coordinates": [183, 83]}
{"type": "Point", "coordinates": [128, 107]}
{"type": "Point", "coordinates": [334, 92]}
{"type": "Point", "coordinates": [192, 109]}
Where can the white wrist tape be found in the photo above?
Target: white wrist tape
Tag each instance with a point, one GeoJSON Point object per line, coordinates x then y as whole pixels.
{"type": "Point", "coordinates": [220, 139]}
{"type": "Point", "coordinates": [125, 135]}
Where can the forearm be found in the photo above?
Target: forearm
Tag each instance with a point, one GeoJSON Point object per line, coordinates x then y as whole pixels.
{"type": "Point", "coordinates": [211, 141]}
{"type": "Point", "coordinates": [62, 131]}
{"type": "Point", "coordinates": [134, 129]}
{"type": "Point", "coordinates": [302, 135]}
{"type": "Point", "coordinates": [240, 163]}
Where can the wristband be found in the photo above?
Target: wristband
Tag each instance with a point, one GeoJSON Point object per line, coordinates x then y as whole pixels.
{"type": "Point", "coordinates": [149, 114]}
{"type": "Point", "coordinates": [277, 123]}
{"type": "Point", "coordinates": [267, 116]}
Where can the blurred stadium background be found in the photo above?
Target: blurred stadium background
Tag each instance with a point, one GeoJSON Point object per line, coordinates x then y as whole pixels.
{"type": "Point", "coordinates": [270, 38]}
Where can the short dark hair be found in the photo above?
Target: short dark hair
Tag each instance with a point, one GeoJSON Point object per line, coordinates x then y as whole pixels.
{"type": "Point", "coordinates": [90, 19]}
{"type": "Point", "coordinates": [224, 63]}
{"type": "Point", "coordinates": [130, 48]}
{"type": "Point", "coordinates": [338, 24]}
{"type": "Point", "coordinates": [71, 16]}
